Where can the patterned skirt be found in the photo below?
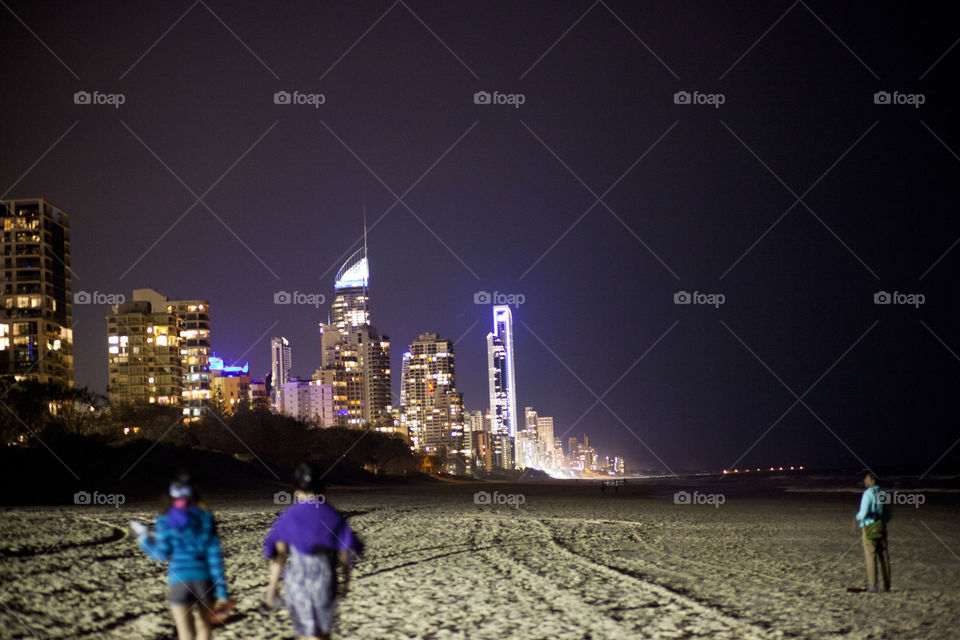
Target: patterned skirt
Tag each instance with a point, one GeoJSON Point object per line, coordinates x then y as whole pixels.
{"type": "Point", "coordinates": [310, 589]}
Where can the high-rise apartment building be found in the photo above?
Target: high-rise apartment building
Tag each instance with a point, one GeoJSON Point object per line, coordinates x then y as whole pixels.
{"type": "Point", "coordinates": [431, 409]}
{"type": "Point", "coordinates": [195, 348]}
{"type": "Point", "coordinates": [373, 351]}
{"type": "Point", "coordinates": [193, 341]}
{"type": "Point", "coordinates": [36, 316]}
{"type": "Point", "coordinates": [545, 443]}
{"type": "Point", "coordinates": [502, 384]}
{"type": "Point", "coordinates": [144, 361]}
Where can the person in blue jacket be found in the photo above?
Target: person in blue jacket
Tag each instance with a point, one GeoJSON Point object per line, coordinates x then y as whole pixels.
{"type": "Point", "coordinates": [874, 513]}
{"type": "Point", "coordinates": [186, 538]}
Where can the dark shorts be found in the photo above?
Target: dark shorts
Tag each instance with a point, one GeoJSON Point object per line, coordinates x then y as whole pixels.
{"type": "Point", "coordinates": [192, 592]}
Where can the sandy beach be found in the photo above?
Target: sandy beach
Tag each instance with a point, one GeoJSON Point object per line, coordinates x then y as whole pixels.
{"type": "Point", "coordinates": [540, 561]}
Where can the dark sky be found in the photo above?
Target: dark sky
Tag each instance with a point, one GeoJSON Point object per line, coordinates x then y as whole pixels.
{"type": "Point", "coordinates": [694, 198]}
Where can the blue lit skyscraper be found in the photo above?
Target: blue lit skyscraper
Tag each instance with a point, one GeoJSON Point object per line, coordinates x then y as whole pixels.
{"type": "Point", "coordinates": [351, 303]}
{"type": "Point", "coordinates": [503, 388]}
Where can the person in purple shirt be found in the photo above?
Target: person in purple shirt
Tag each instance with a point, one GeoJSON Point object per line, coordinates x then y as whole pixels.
{"type": "Point", "coordinates": [306, 544]}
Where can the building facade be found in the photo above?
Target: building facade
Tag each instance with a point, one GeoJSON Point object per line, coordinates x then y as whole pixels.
{"type": "Point", "coordinates": [281, 361]}
{"type": "Point", "coordinates": [502, 385]}
{"type": "Point", "coordinates": [229, 385]}
{"type": "Point", "coordinates": [310, 401]}
{"type": "Point", "coordinates": [144, 361]}
{"type": "Point", "coordinates": [36, 312]}
{"type": "Point", "coordinates": [351, 302]}
{"type": "Point", "coordinates": [195, 348]}
{"type": "Point", "coordinates": [431, 408]}
{"type": "Point", "coordinates": [193, 344]}
{"type": "Point", "coordinates": [355, 356]}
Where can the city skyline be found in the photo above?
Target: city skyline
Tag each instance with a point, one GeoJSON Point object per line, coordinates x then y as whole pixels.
{"type": "Point", "coordinates": [697, 281]}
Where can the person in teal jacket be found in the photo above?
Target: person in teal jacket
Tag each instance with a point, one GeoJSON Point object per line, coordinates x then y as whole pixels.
{"type": "Point", "coordinates": [185, 537]}
{"type": "Point", "coordinates": [874, 508]}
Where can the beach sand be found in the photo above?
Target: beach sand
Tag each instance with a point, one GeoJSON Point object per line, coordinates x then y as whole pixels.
{"type": "Point", "coordinates": [570, 562]}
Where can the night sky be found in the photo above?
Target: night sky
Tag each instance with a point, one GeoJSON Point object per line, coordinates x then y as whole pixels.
{"type": "Point", "coordinates": [597, 199]}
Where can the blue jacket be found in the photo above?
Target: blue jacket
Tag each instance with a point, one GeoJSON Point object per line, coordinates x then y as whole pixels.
{"type": "Point", "coordinates": [873, 507]}
{"type": "Point", "coordinates": [193, 549]}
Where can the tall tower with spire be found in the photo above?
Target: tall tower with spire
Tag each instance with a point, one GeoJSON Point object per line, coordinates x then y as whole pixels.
{"type": "Point", "coordinates": [361, 351]}
{"type": "Point", "coordinates": [351, 302]}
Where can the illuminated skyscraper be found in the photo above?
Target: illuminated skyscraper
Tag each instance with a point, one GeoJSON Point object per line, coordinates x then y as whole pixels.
{"type": "Point", "coordinates": [355, 354]}
{"type": "Point", "coordinates": [351, 301]}
{"type": "Point", "coordinates": [195, 348]}
{"type": "Point", "coordinates": [432, 410]}
{"type": "Point", "coordinates": [36, 324]}
{"type": "Point", "coordinates": [502, 383]}
{"type": "Point", "coordinates": [144, 354]}
{"type": "Point", "coordinates": [373, 351]}
{"type": "Point", "coordinates": [194, 343]}
{"type": "Point", "coordinates": [281, 361]}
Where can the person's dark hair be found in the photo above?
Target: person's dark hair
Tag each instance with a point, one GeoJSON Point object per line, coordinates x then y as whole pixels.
{"type": "Point", "coordinates": [307, 479]}
{"type": "Point", "coordinates": [867, 472]}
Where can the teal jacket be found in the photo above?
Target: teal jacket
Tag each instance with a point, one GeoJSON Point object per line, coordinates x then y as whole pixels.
{"type": "Point", "coordinates": [873, 507]}
{"type": "Point", "coordinates": [192, 549]}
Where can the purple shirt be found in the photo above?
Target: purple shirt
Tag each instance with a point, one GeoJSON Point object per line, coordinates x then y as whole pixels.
{"type": "Point", "coordinates": [312, 528]}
